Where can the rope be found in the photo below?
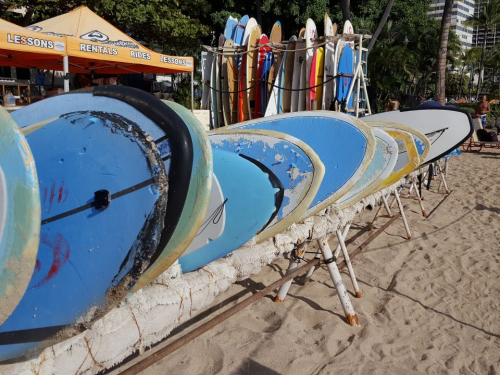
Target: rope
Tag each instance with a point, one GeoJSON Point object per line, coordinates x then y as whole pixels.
{"type": "Point", "coordinates": [259, 46]}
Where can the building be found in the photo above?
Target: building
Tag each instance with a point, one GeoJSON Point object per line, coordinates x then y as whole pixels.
{"type": "Point", "coordinates": [493, 35]}
{"type": "Point", "coordinates": [462, 10]}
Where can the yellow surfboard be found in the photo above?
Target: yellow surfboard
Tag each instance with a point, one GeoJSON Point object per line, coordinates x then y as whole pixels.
{"type": "Point", "coordinates": [320, 65]}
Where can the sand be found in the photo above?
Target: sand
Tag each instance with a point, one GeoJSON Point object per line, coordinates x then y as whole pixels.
{"type": "Point", "coordinates": [430, 305]}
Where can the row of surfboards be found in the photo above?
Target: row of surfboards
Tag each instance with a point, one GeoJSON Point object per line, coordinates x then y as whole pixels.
{"type": "Point", "coordinates": [251, 75]}
{"type": "Point", "coordinates": [102, 191]}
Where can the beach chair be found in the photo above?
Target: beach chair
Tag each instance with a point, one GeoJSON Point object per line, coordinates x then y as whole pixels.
{"type": "Point", "coordinates": [474, 143]}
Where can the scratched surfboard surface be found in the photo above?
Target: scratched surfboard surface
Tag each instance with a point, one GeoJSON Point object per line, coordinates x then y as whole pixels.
{"type": "Point", "coordinates": [183, 149]}
{"type": "Point", "coordinates": [445, 127]}
{"type": "Point", "coordinates": [250, 204]}
{"type": "Point", "coordinates": [103, 192]}
{"type": "Point", "coordinates": [297, 168]}
{"type": "Point", "coordinates": [380, 168]}
{"type": "Point", "coordinates": [19, 215]}
{"type": "Point", "coordinates": [422, 143]}
{"type": "Point", "coordinates": [344, 144]}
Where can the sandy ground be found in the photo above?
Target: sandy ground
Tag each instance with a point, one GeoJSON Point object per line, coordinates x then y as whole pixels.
{"type": "Point", "coordinates": [430, 305]}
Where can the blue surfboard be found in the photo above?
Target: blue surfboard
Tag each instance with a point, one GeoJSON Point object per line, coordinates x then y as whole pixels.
{"type": "Point", "coordinates": [345, 66]}
{"type": "Point", "coordinates": [344, 144]}
{"type": "Point", "coordinates": [268, 62]}
{"type": "Point", "coordinates": [163, 124]}
{"type": "Point", "coordinates": [230, 29]}
{"type": "Point", "coordinates": [19, 215]}
{"type": "Point", "coordinates": [240, 30]}
{"type": "Point", "coordinates": [250, 204]}
{"type": "Point", "coordinates": [296, 169]}
{"type": "Point", "coordinates": [103, 192]}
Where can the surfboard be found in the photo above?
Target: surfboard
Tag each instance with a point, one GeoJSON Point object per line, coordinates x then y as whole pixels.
{"type": "Point", "coordinates": [421, 141]}
{"type": "Point", "coordinates": [348, 29]}
{"type": "Point", "coordinates": [298, 60]}
{"type": "Point", "coordinates": [214, 86]}
{"type": "Point", "coordinates": [230, 29]}
{"type": "Point", "coordinates": [445, 127]}
{"type": "Point", "coordinates": [243, 105]}
{"type": "Point", "coordinates": [261, 61]}
{"type": "Point", "coordinates": [206, 70]}
{"type": "Point", "coordinates": [286, 98]}
{"type": "Point", "coordinates": [166, 126]}
{"type": "Point", "coordinates": [328, 26]}
{"type": "Point", "coordinates": [250, 204]}
{"type": "Point", "coordinates": [274, 37]}
{"type": "Point", "coordinates": [297, 168]}
{"type": "Point", "coordinates": [19, 215]}
{"type": "Point", "coordinates": [197, 200]}
{"type": "Point", "coordinates": [226, 108]}
{"type": "Point", "coordinates": [380, 168]}
{"type": "Point", "coordinates": [408, 159]}
{"type": "Point", "coordinates": [345, 70]}
{"type": "Point", "coordinates": [316, 79]}
{"type": "Point", "coordinates": [218, 84]}
{"type": "Point", "coordinates": [240, 30]}
{"type": "Point", "coordinates": [103, 192]}
{"type": "Point", "coordinates": [264, 84]}
{"type": "Point", "coordinates": [328, 79]}
{"type": "Point", "coordinates": [252, 63]}
{"type": "Point", "coordinates": [214, 221]}
{"type": "Point", "coordinates": [232, 86]}
{"type": "Point", "coordinates": [344, 144]}
{"type": "Point", "coordinates": [311, 34]}
{"type": "Point", "coordinates": [273, 107]}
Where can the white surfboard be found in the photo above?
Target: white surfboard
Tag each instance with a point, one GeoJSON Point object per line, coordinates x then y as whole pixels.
{"type": "Point", "coordinates": [445, 127]}
{"type": "Point", "coordinates": [272, 105]}
{"type": "Point", "coordinates": [206, 67]}
{"type": "Point", "coordinates": [215, 219]}
{"type": "Point", "coordinates": [298, 61]}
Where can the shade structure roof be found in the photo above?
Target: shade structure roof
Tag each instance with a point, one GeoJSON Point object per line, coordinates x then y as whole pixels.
{"type": "Point", "coordinates": [92, 45]}
{"type": "Point", "coordinates": [24, 48]}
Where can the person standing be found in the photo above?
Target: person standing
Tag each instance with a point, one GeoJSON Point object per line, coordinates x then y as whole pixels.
{"type": "Point", "coordinates": [483, 109]}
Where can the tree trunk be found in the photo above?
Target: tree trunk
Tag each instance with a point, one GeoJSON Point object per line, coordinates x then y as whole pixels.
{"type": "Point", "coordinates": [27, 17]}
{"type": "Point", "coordinates": [381, 24]}
{"type": "Point", "coordinates": [346, 13]}
{"type": "Point", "coordinates": [258, 12]}
{"type": "Point", "coordinates": [443, 50]}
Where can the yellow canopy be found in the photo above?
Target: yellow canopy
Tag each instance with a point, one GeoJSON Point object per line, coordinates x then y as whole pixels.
{"type": "Point", "coordinates": [24, 48]}
{"type": "Point", "coordinates": [94, 45]}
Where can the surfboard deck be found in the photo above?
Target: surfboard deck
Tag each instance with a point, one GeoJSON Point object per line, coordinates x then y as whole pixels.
{"type": "Point", "coordinates": [104, 197]}
{"type": "Point", "coordinates": [344, 144]}
{"type": "Point", "coordinates": [19, 215]}
{"type": "Point", "coordinates": [298, 170]}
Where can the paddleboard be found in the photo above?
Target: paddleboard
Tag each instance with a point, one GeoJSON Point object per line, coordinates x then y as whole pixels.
{"type": "Point", "coordinates": [230, 29]}
{"type": "Point", "coordinates": [421, 141]}
{"type": "Point", "coordinates": [345, 70]}
{"type": "Point", "coordinates": [226, 108]}
{"type": "Point", "coordinates": [298, 60]}
{"type": "Point", "coordinates": [250, 204]}
{"type": "Point", "coordinates": [380, 168]}
{"type": "Point", "coordinates": [206, 70]}
{"type": "Point", "coordinates": [19, 215]}
{"type": "Point", "coordinates": [311, 34]}
{"type": "Point", "coordinates": [252, 63]}
{"type": "Point", "coordinates": [297, 168]}
{"type": "Point", "coordinates": [286, 97]}
{"type": "Point", "coordinates": [197, 200]}
{"type": "Point", "coordinates": [344, 144]}
{"type": "Point", "coordinates": [445, 127]}
{"type": "Point", "coordinates": [103, 192]}
{"type": "Point", "coordinates": [240, 30]}
{"type": "Point", "coordinates": [164, 125]}
{"type": "Point", "coordinates": [259, 102]}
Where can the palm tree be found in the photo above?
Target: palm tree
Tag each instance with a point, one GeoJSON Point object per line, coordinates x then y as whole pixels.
{"type": "Point", "coordinates": [383, 21]}
{"type": "Point", "coordinates": [443, 50]}
{"type": "Point", "coordinates": [487, 20]}
{"type": "Point", "coordinates": [346, 13]}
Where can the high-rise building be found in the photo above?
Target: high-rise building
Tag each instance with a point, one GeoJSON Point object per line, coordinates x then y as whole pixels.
{"type": "Point", "coordinates": [462, 10]}
{"type": "Point", "coordinates": [493, 35]}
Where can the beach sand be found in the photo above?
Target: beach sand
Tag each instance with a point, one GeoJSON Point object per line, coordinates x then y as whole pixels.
{"type": "Point", "coordinates": [430, 305]}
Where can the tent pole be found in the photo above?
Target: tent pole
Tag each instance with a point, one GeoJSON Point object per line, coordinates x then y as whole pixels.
{"type": "Point", "coordinates": [192, 92]}
{"type": "Point", "coordinates": [66, 73]}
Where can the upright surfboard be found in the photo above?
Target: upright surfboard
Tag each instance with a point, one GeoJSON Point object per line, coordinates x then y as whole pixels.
{"type": "Point", "coordinates": [344, 144]}
{"type": "Point", "coordinates": [264, 83]}
{"type": "Point", "coordinates": [225, 69]}
{"type": "Point", "coordinates": [298, 61]}
{"type": "Point", "coordinates": [104, 197]}
{"type": "Point", "coordinates": [260, 94]}
{"type": "Point", "coordinates": [345, 71]}
{"type": "Point", "coordinates": [174, 139]}
{"type": "Point", "coordinates": [273, 105]}
{"type": "Point", "coordinates": [19, 215]}
{"type": "Point", "coordinates": [249, 206]}
{"type": "Point", "coordinates": [328, 79]}
{"type": "Point", "coordinates": [286, 97]}
{"type": "Point", "coordinates": [206, 69]}
{"type": "Point", "coordinates": [230, 29]}
{"type": "Point", "coordinates": [232, 87]}
{"type": "Point", "coordinates": [382, 165]}
{"type": "Point", "coordinates": [239, 31]}
{"type": "Point", "coordinates": [252, 64]}
{"type": "Point", "coordinates": [311, 35]}
{"type": "Point", "coordinates": [445, 127]}
{"type": "Point", "coordinates": [316, 79]}
{"type": "Point", "coordinates": [243, 106]}
{"type": "Point", "coordinates": [274, 37]}
{"type": "Point", "coordinates": [297, 168]}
